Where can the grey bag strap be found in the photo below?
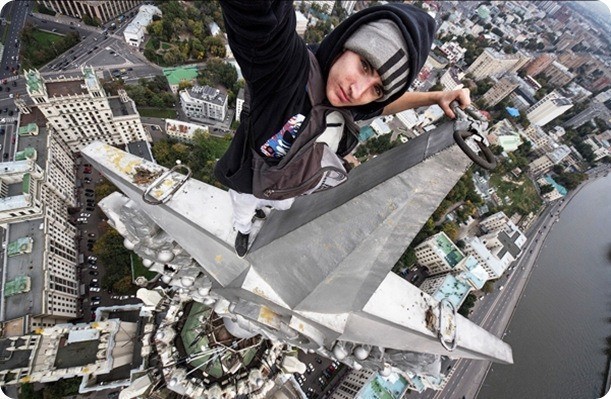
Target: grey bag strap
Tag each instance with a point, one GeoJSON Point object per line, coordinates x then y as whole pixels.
{"type": "Point", "coordinates": [316, 85]}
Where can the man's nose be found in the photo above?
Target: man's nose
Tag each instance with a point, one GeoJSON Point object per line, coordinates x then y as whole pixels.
{"type": "Point", "coordinates": [360, 88]}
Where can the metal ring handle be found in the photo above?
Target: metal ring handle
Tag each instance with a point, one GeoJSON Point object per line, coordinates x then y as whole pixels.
{"type": "Point", "coordinates": [166, 197]}
{"type": "Point", "coordinates": [453, 343]}
{"type": "Point", "coordinates": [488, 161]}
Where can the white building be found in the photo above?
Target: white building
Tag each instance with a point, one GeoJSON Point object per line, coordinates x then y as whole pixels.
{"type": "Point", "coordinates": [239, 104]}
{"type": "Point", "coordinates": [183, 131]}
{"type": "Point", "coordinates": [548, 108]}
{"type": "Point", "coordinates": [81, 112]}
{"type": "Point", "coordinates": [135, 31]}
{"type": "Point", "coordinates": [451, 79]}
{"type": "Point", "coordinates": [491, 264]}
{"type": "Point", "coordinates": [103, 10]}
{"type": "Point", "coordinates": [301, 23]}
{"type": "Point", "coordinates": [380, 127]}
{"type": "Point", "coordinates": [204, 102]}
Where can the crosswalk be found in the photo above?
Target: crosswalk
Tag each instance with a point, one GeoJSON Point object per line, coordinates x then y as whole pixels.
{"type": "Point", "coordinates": [8, 119]}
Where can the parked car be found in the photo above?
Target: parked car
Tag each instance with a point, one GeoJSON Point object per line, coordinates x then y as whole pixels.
{"type": "Point", "coordinates": [88, 194]}
{"type": "Point", "coordinates": [95, 298]}
{"type": "Point", "coordinates": [89, 247]}
{"type": "Point", "coordinates": [94, 289]}
{"type": "Point", "coordinates": [87, 180]}
{"type": "Point", "coordinates": [91, 234]}
{"type": "Point", "coordinates": [91, 241]}
{"type": "Point", "coordinates": [88, 190]}
{"type": "Point", "coordinates": [85, 215]}
{"type": "Point", "coordinates": [90, 208]}
{"type": "Point", "coordinates": [93, 267]}
{"type": "Point", "coordinates": [93, 258]}
{"type": "Point", "coordinates": [95, 303]}
{"type": "Point", "coordinates": [93, 273]}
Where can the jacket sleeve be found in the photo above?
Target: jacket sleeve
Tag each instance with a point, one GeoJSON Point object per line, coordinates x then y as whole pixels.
{"type": "Point", "coordinates": [262, 38]}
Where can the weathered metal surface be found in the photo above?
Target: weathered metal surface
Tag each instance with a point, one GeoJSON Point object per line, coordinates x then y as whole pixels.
{"type": "Point", "coordinates": [318, 275]}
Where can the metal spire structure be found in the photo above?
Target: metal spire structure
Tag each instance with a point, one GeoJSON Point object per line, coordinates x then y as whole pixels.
{"type": "Point", "coordinates": [317, 276]}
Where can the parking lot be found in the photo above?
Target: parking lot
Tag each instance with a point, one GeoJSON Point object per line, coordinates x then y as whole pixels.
{"type": "Point", "coordinates": [88, 221]}
{"type": "Point", "coordinates": [321, 375]}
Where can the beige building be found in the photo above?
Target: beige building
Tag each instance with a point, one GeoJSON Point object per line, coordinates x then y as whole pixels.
{"type": "Point", "coordinates": [558, 74]}
{"type": "Point", "coordinates": [103, 10]}
{"type": "Point", "coordinates": [80, 111]}
{"type": "Point", "coordinates": [451, 79]}
{"type": "Point", "coordinates": [548, 108]}
{"type": "Point", "coordinates": [40, 284]}
{"type": "Point", "coordinates": [501, 89]}
{"type": "Point", "coordinates": [540, 165]}
{"type": "Point", "coordinates": [492, 63]}
{"type": "Point", "coordinates": [352, 383]}
{"type": "Point", "coordinates": [438, 254]}
{"type": "Point", "coordinates": [538, 65]}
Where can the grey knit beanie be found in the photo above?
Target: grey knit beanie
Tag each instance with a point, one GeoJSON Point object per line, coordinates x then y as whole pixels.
{"type": "Point", "coordinates": [382, 44]}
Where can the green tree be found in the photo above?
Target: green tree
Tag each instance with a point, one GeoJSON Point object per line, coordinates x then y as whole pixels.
{"type": "Point", "coordinates": [26, 391]}
{"type": "Point", "coordinates": [124, 286]}
{"type": "Point", "coordinates": [451, 230]}
{"type": "Point", "coordinates": [467, 305]}
{"type": "Point", "coordinates": [546, 188]}
{"type": "Point", "coordinates": [104, 188]}
{"type": "Point", "coordinates": [214, 46]}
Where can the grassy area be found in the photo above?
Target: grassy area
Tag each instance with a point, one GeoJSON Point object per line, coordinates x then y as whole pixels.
{"type": "Point", "coordinates": [46, 39]}
{"type": "Point", "coordinates": [522, 193]}
{"type": "Point", "coordinates": [165, 46]}
{"type": "Point", "coordinates": [157, 113]}
{"type": "Point", "coordinates": [140, 270]}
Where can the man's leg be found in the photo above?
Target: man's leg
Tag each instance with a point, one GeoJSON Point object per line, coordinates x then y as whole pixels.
{"type": "Point", "coordinates": [244, 206]}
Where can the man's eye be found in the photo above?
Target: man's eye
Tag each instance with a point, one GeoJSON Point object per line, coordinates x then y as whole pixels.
{"type": "Point", "coordinates": [379, 91]}
{"type": "Point", "coordinates": [365, 65]}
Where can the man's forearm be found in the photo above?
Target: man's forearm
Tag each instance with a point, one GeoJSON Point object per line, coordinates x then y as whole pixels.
{"type": "Point", "coordinates": [415, 99]}
{"type": "Point", "coordinates": [410, 100]}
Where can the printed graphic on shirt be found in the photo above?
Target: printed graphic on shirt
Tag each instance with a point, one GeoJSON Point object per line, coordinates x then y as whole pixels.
{"type": "Point", "coordinates": [280, 143]}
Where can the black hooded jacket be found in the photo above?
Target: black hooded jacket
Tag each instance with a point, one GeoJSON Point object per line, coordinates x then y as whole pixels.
{"type": "Point", "coordinates": [274, 62]}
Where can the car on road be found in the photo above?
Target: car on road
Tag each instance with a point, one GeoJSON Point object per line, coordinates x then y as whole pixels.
{"type": "Point", "coordinates": [501, 287]}
{"type": "Point", "coordinates": [94, 289]}
{"type": "Point", "coordinates": [95, 303]}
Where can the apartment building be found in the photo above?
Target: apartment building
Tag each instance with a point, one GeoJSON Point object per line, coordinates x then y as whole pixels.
{"type": "Point", "coordinates": [438, 254]}
{"type": "Point", "coordinates": [548, 108]}
{"type": "Point", "coordinates": [538, 65]}
{"type": "Point", "coordinates": [102, 10]}
{"type": "Point", "coordinates": [204, 102]}
{"type": "Point", "coordinates": [538, 138]}
{"type": "Point", "coordinates": [558, 74]}
{"type": "Point", "coordinates": [80, 111]}
{"type": "Point", "coordinates": [492, 63]}
{"type": "Point", "coordinates": [501, 89]}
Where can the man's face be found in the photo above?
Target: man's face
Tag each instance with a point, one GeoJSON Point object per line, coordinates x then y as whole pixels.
{"type": "Point", "coordinates": [352, 81]}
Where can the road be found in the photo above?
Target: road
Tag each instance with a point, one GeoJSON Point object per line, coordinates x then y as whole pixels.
{"type": "Point", "coordinates": [494, 311]}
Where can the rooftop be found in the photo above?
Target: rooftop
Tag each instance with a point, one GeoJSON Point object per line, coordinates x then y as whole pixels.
{"type": "Point", "coordinates": [10, 360]}
{"type": "Point", "coordinates": [26, 265]}
{"type": "Point", "coordinates": [76, 354]}
{"type": "Point", "coordinates": [141, 149]}
{"type": "Point", "coordinates": [453, 290]}
{"type": "Point", "coordinates": [452, 254]}
{"type": "Point", "coordinates": [120, 108]}
{"type": "Point", "coordinates": [66, 88]}
{"type": "Point", "coordinates": [207, 93]}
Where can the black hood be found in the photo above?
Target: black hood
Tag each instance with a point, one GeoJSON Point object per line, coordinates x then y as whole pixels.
{"type": "Point", "coordinates": [418, 29]}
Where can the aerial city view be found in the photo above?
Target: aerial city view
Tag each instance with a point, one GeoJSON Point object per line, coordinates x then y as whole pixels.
{"type": "Point", "coordinates": [306, 199]}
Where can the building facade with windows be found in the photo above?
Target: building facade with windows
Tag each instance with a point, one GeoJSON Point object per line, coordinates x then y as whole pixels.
{"type": "Point", "coordinates": [438, 254]}
{"type": "Point", "coordinates": [548, 108]}
{"type": "Point", "coordinates": [80, 111]}
{"type": "Point", "coordinates": [204, 102]}
{"type": "Point", "coordinates": [102, 10]}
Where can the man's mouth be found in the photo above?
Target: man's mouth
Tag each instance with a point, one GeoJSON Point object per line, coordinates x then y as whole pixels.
{"type": "Point", "coordinates": [342, 96]}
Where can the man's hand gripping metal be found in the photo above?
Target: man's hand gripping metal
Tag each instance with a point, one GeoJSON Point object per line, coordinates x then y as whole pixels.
{"type": "Point", "coordinates": [470, 134]}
